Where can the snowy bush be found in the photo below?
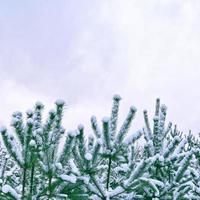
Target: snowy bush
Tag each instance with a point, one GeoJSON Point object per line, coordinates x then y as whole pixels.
{"type": "Point", "coordinates": [156, 162]}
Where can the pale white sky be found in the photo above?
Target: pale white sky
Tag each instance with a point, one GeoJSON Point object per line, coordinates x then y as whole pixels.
{"type": "Point", "coordinates": [86, 51]}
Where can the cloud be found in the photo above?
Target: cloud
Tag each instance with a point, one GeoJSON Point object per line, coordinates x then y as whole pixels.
{"type": "Point", "coordinates": [84, 52]}
{"type": "Point", "coordinates": [15, 96]}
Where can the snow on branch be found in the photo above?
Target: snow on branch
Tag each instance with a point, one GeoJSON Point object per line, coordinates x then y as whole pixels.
{"type": "Point", "coordinates": [40, 160]}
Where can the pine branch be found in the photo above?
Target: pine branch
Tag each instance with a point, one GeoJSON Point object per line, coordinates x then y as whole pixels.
{"type": "Point", "coordinates": [114, 116]}
{"type": "Point", "coordinates": [126, 125]}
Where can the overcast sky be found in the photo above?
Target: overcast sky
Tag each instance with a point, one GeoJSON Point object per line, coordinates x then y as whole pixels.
{"type": "Point", "coordinates": [85, 51]}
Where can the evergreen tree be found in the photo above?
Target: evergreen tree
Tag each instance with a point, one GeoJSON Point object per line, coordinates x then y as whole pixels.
{"type": "Point", "coordinates": [40, 160]}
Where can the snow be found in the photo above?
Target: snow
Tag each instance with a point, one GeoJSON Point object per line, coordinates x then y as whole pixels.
{"type": "Point", "coordinates": [14, 121]}
{"type": "Point", "coordinates": [133, 164]}
{"type": "Point", "coordinates": [14, 147]}
{"type": "Point", "coordinates": [134, 137]}
{"type": "Point", "coordinates": [133, 109]}
{"type": "Point", "coordinates": [8, 189]}
{"type": "Point", "coordinates": [145, 112]}
{"type": "Point", "coordinates": [30, 122]}
{"type": "Point", "coordinates": [59, 166]}
{"type": "Point", "coordinates": [68, 178]}
{"type": "Point", "coordinates": [147, 129]}
{"type": "Point", "coordinates": [34, 133]}
{"type": "Point", "coordinates": [11, 171]}
{"type": "Point", "coordinates": [151, 147]}
{"type": "Point", "coordinates": [105, 119]}
{"type": "Point", "coordinates": [116, 191]}
{"type": "Point", "coordinates": [93, 119]}
{"type": "Point", "coordinates": [3, 129]}
{"type": "Point", "coordinates": [73, 167]}
{"type": "Point", "coordinates": [52, 112]}
{"type": "Point", "coordinates": [114, 116]}
{"type": "Point", "coordinates": [62, 130]}
{"type": "Point", "coordinates": [73, 133]}
{"type": "Point", "coordinates": [171, 146]}
{"type": "Point", "coordinates": [161, 159]}
{"type": "Point", "coordinates": [163, 108]}
{"type": "Point", "coordinates": [7, 156]}
{"type": "Point", "coordinates": [99, 141]}
{"type": "Point", "coordinates": [156, 118]}
{"type": "Point", "coordinates": [39, 131]}
{"type": "Point", "coordinates": [122, 168]}
{"type": "Point", "coordinates": [117, 97]}
{"type": "Point", "coordinates": [17, 114]}
{"type": "Point", "coordinates": [183, 166]}
{"type": "Point", "coordinates": [39, 105]}
{"type": "Point", "coordinates": [180, 146]}
{"type": "Point", "coordinates": [29, 112]}
{"type": "Point", "coordinates": [60, 102]}
{"type": "Point", "coordinates": [95, 127]}
{"type": "Point", "coordinates": [85, 179]}
{"type": "Point", "coordinates": [32, 143]}
{"type": "Point", "coordinates": [153, 183]}
{"type": "Point", "coordinates": [136, 172]}
{"type": "Point", "coordinates": [168, 128]}
{"type": "Point", "coordinates": [126, 124]}
{"type": "Point", "coordinates": [88, 156]}
{"type": "Point", "coordinates": [80, 127]}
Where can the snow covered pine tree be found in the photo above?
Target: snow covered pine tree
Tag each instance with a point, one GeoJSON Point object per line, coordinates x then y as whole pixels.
{"type": "Point", "coordinates": [107, 166]}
